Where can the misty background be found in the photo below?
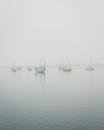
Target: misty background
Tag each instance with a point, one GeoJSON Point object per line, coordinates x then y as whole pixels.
{"type": "Point", "coordinates": [54, 29]}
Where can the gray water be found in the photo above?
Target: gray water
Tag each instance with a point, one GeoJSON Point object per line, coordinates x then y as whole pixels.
{"type": "Point", "coordinates": [54, 101]}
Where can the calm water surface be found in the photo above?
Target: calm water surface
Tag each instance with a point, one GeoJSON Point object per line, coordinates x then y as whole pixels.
{"type": "Point", "coordinates": [54, 101]}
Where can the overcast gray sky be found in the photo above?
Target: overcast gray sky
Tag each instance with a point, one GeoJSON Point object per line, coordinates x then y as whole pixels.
{"type": "Point", "coordinates": [56, 29]}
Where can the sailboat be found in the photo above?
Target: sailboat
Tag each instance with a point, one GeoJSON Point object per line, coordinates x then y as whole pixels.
{"type": "Point", "coordinates": [67, 68]}
{"type": "Point", "coordinates": [90, 68]}
{"type": "Point", "coordinates": [41, 68]}
{"type": "Point", "coordinates": [14, 68]}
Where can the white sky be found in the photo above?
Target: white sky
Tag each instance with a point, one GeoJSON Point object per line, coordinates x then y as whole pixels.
{"type": "Point", "coordinates": [56, 29]}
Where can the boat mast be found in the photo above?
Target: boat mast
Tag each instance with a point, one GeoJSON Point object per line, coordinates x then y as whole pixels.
{"type": "Point", "coordinates": [69, 62]}
{"type": "Point", "coordinates": [91, 61]}
{"type": "Point", "coordinates": [41, 63]}
{"type": "Point", "coordinates": [44, 62]}
{"type": "Point", "coordinates": [66, 61]}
